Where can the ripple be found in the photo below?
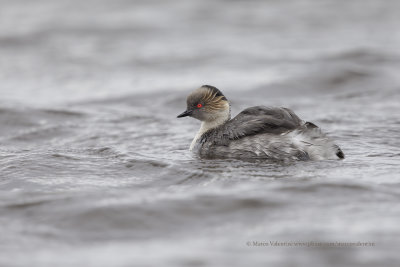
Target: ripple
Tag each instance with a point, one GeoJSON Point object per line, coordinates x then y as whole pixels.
{"type": "Point", "coordinates": [364, 55]}
{"type": "Point", "coordinates": [314, 187]}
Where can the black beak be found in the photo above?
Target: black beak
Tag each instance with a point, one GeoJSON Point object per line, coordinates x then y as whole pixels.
{"type": "Point", "coordinates": [185, 113]}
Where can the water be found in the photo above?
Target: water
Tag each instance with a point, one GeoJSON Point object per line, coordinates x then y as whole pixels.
{"type": "Point", "coordinates": [94, 167]}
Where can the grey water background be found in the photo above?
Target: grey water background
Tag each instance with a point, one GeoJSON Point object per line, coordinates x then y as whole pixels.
{"type": "Point", "coordinates": [94, 166]}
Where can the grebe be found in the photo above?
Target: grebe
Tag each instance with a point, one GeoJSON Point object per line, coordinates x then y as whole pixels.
{"type": "Point", "coordinates": [256, 133]}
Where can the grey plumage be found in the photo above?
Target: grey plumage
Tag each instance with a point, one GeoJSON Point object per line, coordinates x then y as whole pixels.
{"type": "Point", "coordinates": [260, 119]}
{"type": "Point", "coordinates": [259, 132]}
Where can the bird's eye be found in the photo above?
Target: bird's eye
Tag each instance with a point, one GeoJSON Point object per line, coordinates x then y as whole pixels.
{"type": "Point", "coordinates": [199, 105]}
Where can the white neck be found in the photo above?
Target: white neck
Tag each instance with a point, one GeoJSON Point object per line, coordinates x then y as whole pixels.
{"type": "Point", "coordinates": [208, 125]}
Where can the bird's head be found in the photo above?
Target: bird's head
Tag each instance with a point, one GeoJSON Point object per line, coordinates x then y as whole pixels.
{"type": "Point", "coordinates": [208, 104]}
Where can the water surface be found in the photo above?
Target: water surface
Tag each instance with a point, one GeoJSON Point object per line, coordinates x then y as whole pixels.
{"type": "Point", "coordinates": [94, 166]}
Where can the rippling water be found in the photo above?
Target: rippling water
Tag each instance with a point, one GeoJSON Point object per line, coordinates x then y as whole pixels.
{"type": "Point", "coordinates": [94, 166]}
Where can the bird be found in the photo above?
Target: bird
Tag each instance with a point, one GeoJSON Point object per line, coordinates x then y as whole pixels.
{"type": "Point", "coordinates": [259, 132]}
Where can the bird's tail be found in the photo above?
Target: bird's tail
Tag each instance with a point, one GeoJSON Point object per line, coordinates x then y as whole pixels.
{"type": "Point", "coordinates": [310, 139]}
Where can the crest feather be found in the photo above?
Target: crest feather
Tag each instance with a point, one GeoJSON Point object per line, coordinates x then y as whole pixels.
{"type": "Point", "coordinates": [213, 98]}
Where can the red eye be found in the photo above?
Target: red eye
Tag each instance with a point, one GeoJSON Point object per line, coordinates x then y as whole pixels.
{"type": "Point", "coordinates": [199, 105]}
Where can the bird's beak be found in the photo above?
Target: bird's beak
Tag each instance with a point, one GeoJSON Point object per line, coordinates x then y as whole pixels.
{"type": "Point", "coordinates": [185, 113]}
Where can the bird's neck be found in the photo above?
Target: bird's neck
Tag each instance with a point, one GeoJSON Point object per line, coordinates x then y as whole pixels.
{"type": "Point", "coordinates": [211, 124]}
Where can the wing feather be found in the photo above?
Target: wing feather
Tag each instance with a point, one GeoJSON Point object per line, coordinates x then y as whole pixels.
{"type": "Point", "coordinates": [255, 120]}
{"type": "Point", "coordinates": [260, 119]}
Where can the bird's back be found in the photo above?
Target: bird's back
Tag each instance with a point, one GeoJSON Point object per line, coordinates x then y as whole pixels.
{"type": "Point", "coordinates": [268, 132]}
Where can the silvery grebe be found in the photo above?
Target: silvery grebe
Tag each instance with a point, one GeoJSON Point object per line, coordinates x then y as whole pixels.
{"type": "Point", "coordinates": [255, 133]}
